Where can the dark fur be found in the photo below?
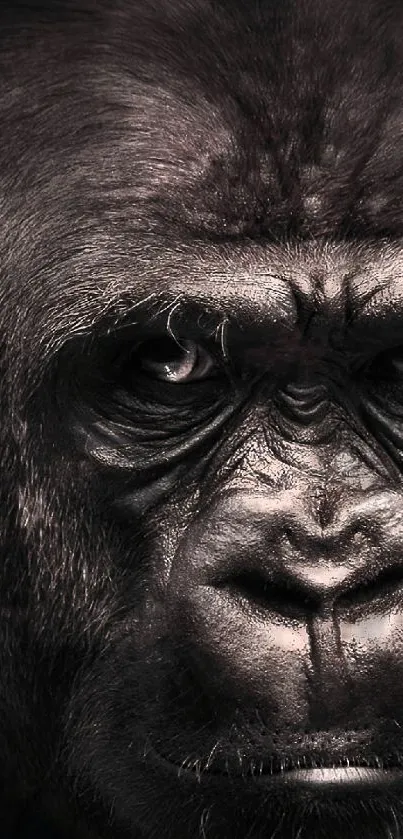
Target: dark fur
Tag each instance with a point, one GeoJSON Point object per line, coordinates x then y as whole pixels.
{"type": "Point", "coordinates": [146, 145]}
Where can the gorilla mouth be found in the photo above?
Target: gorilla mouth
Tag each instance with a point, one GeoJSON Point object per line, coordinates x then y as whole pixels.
{"type": "Point", "coordinates": [278, 767]}
{"type": "Point", "coordinates": [320, 780]}
{"type": "Point", "coordinates": [315, 766]}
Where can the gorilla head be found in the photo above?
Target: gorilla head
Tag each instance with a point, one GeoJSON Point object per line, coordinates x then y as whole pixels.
{"type": "Point", "coordinates": [201, 501]}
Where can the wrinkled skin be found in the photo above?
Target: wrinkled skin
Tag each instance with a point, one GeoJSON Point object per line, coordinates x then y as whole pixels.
{"type": "Point", "coordinates": [202, 418]}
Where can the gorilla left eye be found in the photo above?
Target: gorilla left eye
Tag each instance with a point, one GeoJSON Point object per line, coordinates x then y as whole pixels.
{"type": "Point", "coordinates": [177, 362]}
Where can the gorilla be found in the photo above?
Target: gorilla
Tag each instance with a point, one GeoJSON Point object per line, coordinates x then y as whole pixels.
{"type": "Point", "coordinates": [201, 499]}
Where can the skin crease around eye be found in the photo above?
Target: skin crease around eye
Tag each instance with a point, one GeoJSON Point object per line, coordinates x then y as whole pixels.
{"type": "Point", "coordinates": [190, 361]}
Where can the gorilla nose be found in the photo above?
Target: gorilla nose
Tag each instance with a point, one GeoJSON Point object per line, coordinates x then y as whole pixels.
{"type": "Point", "coordinates": [283, 560]}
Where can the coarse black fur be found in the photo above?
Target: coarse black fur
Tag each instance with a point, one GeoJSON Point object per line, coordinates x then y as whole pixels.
{"type": "Point", "coordinates": [227, 173]}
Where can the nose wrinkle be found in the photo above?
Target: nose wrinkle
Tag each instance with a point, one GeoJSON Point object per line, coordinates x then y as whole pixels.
{"type": "Point", "coordinates": [305, 403]}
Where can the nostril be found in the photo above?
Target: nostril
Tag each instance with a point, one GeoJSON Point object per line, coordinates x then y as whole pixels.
{"type": "Point", "coordinates": [281, 596]}
{"type": "Point", "coordinates": [380, 587]}
{"type": "Point", "coordinates": [291, 598]}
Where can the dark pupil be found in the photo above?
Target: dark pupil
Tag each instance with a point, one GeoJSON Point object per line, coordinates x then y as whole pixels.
{"type": "Point", "coordinates": [160, 351]}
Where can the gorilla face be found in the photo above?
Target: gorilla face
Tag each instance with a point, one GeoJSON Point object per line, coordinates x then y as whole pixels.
{"type": "Point", "coordinates": [202, 418]}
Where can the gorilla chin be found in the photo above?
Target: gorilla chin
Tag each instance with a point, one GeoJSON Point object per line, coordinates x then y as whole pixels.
{"type": "Point", "coordinates": [201, 436]}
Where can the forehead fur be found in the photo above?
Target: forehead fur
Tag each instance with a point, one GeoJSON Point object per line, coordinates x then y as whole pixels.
{"type": "Point", "coordinates": [270, 118]}
{"type": "Point", "coordinates": [225, 117]}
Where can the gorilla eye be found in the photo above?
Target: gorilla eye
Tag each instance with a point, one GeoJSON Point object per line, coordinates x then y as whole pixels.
{"type": "Point", "coordinates": [166, 360]}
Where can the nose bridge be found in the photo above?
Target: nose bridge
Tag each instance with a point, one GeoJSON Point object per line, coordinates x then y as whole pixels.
{"type": "Point", "coordinates": [334, 515]}
{"type": "Point", "coordinates": [323, 520]}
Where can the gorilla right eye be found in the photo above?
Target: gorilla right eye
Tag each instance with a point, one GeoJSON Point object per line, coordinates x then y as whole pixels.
{"type": "Point", "coordinates": [173, 361]}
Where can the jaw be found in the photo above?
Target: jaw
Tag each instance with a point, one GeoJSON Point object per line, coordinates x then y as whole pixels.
{"type": "Point", "coordinates": [326, 803]}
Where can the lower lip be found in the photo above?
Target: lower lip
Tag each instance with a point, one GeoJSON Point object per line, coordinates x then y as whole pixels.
{"type": "Point", "coordinates": [322, 781]}
{"type": "Point", "coordinates": [343, 775]}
